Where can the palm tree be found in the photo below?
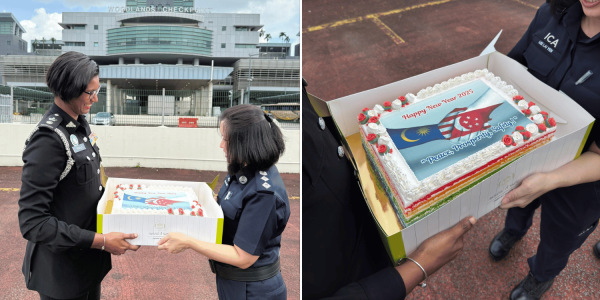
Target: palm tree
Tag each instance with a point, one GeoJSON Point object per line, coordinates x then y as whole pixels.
{"type": "Point", "coordinates": [35, 44]}
{"type": "Point", "coordinates": [43, 42]}
{"type": "Point", "coordinates": [282, 35]}
{"type": "Point", "coordinates": [53, 40]}
{"type": "Point", "coordinates": [267, 37]}
{"type": "Point", "coordinates": [261, 33]}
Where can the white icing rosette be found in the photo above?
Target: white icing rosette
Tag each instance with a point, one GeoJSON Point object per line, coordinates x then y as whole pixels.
{"type": "Point", "coordinates": [538, 119]}
{"type": "Point", "coordinates": [532, 129]}
{"type": "Point", "coordinates": [372, 128]}
{"type": "Point", "coordinates": [421, 94]}
{"type": "Point", "coordinates": [385, 140]}
{"type": "Point", "coordinates": [517, 137]}
{"type": "Point", "coordinates": [535, 110]}
{"type": "Point", "coordinates": [479, 73]}
{"type": "Point", "coordinates": [512, 92]}
{"type": "Point", "coordinates": [489, 76]}
{"type": "Point", "coordinates": [445, 85]}
{"type": "Point", "coordinates": [523, 104]}
{"type": "Point", "coordinates": [378, 109]}
{"type": "Point", "coordinates": [396, 104]}
{"type": "Point", "coordinates": [437, 88]}
{"type": "Point", "coordinates": [381, 130]}
{"type": "Point", "coordinates": [371, 113]}
{"type": "Point", "coordinates": [410, 98]}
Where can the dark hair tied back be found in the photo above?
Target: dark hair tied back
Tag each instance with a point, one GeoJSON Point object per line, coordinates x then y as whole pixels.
{"type": "Point", "coordinates": [269, 118]}
{"type": "Point", "coordinates": [253, 143]}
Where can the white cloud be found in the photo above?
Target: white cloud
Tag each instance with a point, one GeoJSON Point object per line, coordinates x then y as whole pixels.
{"type": "Point", "coordinates": [42, 25]}
{"type": "Point", "coordinates": [86, 4]}
{"type": "Point", "coordinates": [277, 16]}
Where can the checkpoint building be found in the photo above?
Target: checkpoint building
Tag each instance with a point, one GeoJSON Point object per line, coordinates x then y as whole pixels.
{"type": "Point", "coordinates": [205, 59]}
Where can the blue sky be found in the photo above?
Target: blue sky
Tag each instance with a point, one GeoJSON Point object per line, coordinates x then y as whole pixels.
{"type": "Point", "coordinates": [40, 18]}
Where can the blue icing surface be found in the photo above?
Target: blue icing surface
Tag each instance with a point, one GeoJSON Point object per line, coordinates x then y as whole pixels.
{"type": "Point", "coordinates": [436, 133]}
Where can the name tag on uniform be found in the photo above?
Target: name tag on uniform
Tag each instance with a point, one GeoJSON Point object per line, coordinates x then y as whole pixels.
{"type": "Point", "coordinates": [93, 138]}
{"type": "Point", "coordinates": [79, 148]}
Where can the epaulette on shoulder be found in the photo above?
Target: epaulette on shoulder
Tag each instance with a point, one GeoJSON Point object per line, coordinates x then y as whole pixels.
{"type": "Point", "coordinates": [263, 182]}
{"type": "Point", "coordinates": [50, 121]}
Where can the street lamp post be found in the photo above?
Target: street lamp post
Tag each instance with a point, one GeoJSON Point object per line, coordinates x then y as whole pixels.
{"type": "Point", "coordinates": [250, 75]}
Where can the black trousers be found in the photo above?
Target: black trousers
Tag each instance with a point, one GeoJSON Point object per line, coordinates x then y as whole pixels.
{"type": "Point", "coordinates": [569, 216]}
{"type": "Point", "coordinates": [94, 294]}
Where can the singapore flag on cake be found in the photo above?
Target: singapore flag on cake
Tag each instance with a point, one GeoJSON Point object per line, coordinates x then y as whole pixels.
{"type": "Point", "coordinates": [458, 126]}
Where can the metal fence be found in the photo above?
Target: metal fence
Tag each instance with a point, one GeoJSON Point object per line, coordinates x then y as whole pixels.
{"type": "Point", "coordinates": [6, 109]}
{"type": "Point", "coordinates": [137, 107]}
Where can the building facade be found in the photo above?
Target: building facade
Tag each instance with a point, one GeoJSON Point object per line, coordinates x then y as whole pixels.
{"type": "Point", "coordinates": [150, 45]}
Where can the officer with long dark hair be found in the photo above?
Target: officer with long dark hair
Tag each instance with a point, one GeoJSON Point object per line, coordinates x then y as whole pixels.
{"type": "Point", "coordinates": [562, 49]}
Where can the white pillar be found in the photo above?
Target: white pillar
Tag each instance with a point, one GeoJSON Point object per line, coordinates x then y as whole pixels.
{"type": "Point", "coordinates": [137, 60]}
{"type": "Point", "coordinates": [121, 60]}
{"type": "Point", "coordinates": [209, 99]}
{"type": "Point", "coordinates": [108, 95]}
{"type": "Point", "coordinates": [202, 106]}
{"type": "Point", "coordinates": [180, 61]}
{"type": "Point", "coordinates": [115, 100]}
{"type": "Point", "coordinates": [196, 61]}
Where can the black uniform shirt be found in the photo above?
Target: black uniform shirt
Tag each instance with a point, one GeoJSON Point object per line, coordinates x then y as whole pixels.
{"type": "Point", "coordinates": [256, 209]}
{"type": "Point", "coordinates": [344, 257]}
{"type": "Point", "coordinates": [58, 217]}
{"type": "Point", "coordinates": [554, 51]}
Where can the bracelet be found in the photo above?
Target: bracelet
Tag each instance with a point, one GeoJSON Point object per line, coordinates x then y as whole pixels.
{"type": "Point", "coordinates": [105, 244]}
{"type": "Point", "coordinates": [424, 283]}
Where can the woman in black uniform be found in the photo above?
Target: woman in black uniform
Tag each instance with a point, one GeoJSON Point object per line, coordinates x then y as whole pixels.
{"type": "Point", "coordinates": [562, 49]}
{"type": "Point", "coordinates": [256, 209]}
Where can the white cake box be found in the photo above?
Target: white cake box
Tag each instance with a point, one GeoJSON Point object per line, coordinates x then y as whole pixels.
{"type": "Point", "coordinates": [151, 228]}
{"type": "Point", "coordinates": [574, 124]}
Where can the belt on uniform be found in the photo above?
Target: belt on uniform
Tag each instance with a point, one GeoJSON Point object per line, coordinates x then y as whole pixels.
{"type": "Point", "coordinates": [251, 274]}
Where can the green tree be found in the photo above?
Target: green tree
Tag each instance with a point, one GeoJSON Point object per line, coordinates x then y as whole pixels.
{"type": "Point", "coordinates": [43, 43]}
{"type": "Point", "coordinates": [35, 45]}
{"type": "Point", "coordinates": [53, 40]}
{"type": "Point", "coordinates": [282, 35]}
{"type": "Point", "coordinates": [267, 37]}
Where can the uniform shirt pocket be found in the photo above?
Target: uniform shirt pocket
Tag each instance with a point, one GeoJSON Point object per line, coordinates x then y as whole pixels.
{"type": "Point", "coordinates": [231, 209]}
{"type": "Point", "coordinates": [539, 63]}
{"type": "Point", "coordinates": [84, 169]}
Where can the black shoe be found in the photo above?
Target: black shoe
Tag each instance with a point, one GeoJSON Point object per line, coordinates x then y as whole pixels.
{"type": "Point", "coordinates": [501, 245]}
{"type": "Point", "coordinates": [530, 289]}
{"type": "Point", "coordinates": [596, 250]}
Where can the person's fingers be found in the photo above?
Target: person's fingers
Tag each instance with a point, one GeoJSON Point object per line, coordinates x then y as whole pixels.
{"type": "Point", "coordinates": [130, 236]}
{"type": "Point", "coordinates": [514, 195]}
{"type": "Point", "coordinates": [463, 226]}
{"type": "Point", "coordinates": [133, 247]}
{"type": "Point", "coordinates": [164, 239]}
{"type": "Point", "coordinates": [162, 247]}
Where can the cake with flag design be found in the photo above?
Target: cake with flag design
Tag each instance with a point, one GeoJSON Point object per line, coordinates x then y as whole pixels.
{"type": "Point", "coordinates": [142, 199]}
{"type": "Point", "coordinates": [426, 149]}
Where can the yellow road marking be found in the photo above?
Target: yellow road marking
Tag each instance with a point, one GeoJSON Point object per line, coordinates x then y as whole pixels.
{"type": "Point", "coordinates": [9, 190]}
{"type": "Point", "coordinates": [372, 16]}
{"type": "Point", "coordinates": [396, 38]}
{"type": "Point", "coordinates": [527, 4]}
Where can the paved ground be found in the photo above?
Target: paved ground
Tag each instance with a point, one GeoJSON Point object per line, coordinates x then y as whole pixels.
{"type": "Point", "coordinates": [147, 273]}
{"type": "Point", "coordinates": [353, 45]}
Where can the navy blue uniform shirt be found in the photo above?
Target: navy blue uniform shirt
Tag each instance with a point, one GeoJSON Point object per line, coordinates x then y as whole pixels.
{"type": "Point", "coordinates": [256, 210]}
{"type": "Point", "coordinates": [556, 52]}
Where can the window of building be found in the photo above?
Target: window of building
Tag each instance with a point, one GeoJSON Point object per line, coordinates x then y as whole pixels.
{"type": "Point", "coordinates": [95, 27]}
{"type": "Point", "coordinates": [242, 29]}
{"type": "Point", "coordinates": [75, 44]}
{"type": "Point", "coordinates": [6, 27]}
{"type": "Point", "coordinates": [79, 27]}
{"type": "Point", "coordinates": [95, 44]}
{"type": "Point", "coordinates": [245, 45]}
{"type": "Point", "coordinates": [8, 43]}
{"type": "Point", "coordinates": [224, 28]}
{"type": "Point", "coordinates": [222, 45]}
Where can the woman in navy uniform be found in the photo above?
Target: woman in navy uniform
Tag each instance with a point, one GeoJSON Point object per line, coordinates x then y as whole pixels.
{"type": "Point", "coordinates": [256, 209]}
{"type": "Point", "coordinates": [562, 49]}
{"type": "Point", "coordinates": [61, 185]}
